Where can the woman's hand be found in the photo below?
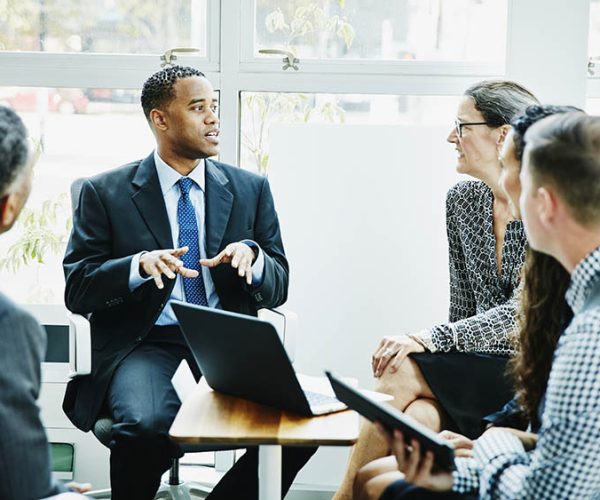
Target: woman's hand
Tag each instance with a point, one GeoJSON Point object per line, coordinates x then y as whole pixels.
{"type": "Point", "coordinates": [416, 465]}
{"type": "Point", "coordinates": [463, 446]}
{"type": "Point", "coordinates": [392, 351]}
{"type": "Point", "coordinates": [528, 439]}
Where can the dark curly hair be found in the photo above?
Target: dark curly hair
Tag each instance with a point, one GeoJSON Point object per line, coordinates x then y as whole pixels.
{"type": "Point", "coordinates": [533, 114]}
{"type": "Point", "coordinates": [544, 310]}
{"type": "Point", "coordinates": [14, 149]}
{"type": "Point", "coordinates": [158, 89]}
{"type": "Point", "coordinates": [499, 101]}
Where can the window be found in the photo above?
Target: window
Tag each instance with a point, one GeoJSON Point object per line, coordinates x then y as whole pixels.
{"type": "Point", "coordinates": [261, 111]}
{"type": "Point", "coordinates": [103, 26]}
{"type": "Point", "coordinates": [405, 30]}
{"type": "Point", "coordinates": [82, 132]}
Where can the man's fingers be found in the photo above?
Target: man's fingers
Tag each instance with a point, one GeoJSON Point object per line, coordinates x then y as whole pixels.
{"type": "Point", "coordinates": [215, 261]}
{"type": "Point", "coordinates": [424, 470]}
{"type": "Point", "coordinates": [164, 269]}
{"type": "Point", "coordinates": [413, 458]}
{"type": "Point", "coordinates": [178, 252]}
{"type": "Point", "coordinates": [237, 258]}
{"type": "Point", "coordinates": [399, 448]}
{"type": "Point", "coordinates": [156, 276]}
{"type": "Point", "coordinates": [188, 273]}
{"type": "Point", "coordinates": [463, 452]}
{"type": "Point", "coordinates": [173, 262]}
{"type": "Point", "coordinates": [222, 257]}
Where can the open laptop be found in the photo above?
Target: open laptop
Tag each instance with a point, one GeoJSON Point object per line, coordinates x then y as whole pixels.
{"type": "Point", "coordinates": [244, 357]}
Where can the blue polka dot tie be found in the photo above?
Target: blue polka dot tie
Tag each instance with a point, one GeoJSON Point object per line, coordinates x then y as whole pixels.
{"type": "Point", "coordinates": [188, 237]}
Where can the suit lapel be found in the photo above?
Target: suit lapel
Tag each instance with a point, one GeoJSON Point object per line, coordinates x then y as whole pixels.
{"type": "Point", "coordinates": [219, 201]}
{"type": "Point", "coordinates": [150, 202]}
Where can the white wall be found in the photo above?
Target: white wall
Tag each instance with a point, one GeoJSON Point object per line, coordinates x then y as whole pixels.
{"type": "Point", "coordinates": [362, 210]}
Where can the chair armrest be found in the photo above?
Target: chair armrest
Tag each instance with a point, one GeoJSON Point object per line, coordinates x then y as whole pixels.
{"type": "Point", "coordinates": [286, 324]}
{"type": "Point", "coordinates": [80, 346]}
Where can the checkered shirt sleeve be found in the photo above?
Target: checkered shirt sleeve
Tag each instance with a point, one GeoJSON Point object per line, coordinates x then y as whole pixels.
{"type": "Point", "coordinates": [466, 476]}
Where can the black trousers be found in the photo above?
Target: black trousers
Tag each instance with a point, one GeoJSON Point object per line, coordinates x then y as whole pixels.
{"type": "Point", "coordinates": [401, 490]}
{"type": "Point", "coordinates": [143, 404]}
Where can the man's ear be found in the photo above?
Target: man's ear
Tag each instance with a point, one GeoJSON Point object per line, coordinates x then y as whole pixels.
{"type": "Point", "coordinates": [547, 205]}
{"type": "Point", "coordinates": [158, 119]}
{"type": "Point", "coordinates": [7, 212]}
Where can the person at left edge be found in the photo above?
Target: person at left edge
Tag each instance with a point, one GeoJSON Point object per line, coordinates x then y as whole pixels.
{"type": "Point", "coordinates": [130, 252]}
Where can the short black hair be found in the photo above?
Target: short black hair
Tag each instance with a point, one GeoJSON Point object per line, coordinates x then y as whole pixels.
{"type": "Point", "coordinates": [533, 114]}
{"type": "Point", "coordinates": [158, 89]}
{"type": "Point", "coordinates": [14, 148]}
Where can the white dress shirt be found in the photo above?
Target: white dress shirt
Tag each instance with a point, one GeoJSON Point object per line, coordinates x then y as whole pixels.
{"type": "Point", "coordinates": [168, 178]}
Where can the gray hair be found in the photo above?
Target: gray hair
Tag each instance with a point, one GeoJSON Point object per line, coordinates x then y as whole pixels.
{"type": "Point", "coordinates": [14, 148]}
{"type": "Point", "coordinates": [499, 101]}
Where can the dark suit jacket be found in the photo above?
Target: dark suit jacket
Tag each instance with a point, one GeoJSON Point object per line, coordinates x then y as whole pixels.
{"type": "Point", "coordinates": [24, 455]}
{"type": "Point", "coordinates": [121, 213]}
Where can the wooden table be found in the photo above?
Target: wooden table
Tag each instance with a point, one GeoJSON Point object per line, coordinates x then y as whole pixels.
{"type": "Point", "coordinates": [208, 417]}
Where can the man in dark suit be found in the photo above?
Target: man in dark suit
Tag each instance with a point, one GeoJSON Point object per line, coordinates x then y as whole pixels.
{"type": "Point", "coordinates": [25, 470]}
{"type": "Point", "coordinates": [142, 235]}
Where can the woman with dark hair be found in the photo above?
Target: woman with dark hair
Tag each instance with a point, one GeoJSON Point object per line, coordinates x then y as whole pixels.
{"type": "Point", "coordinates": [544, 314]}
{"type": "Point", "coordinates": [442, 376]}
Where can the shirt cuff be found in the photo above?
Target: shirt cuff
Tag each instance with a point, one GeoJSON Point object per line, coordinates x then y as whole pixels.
{"type": "Point", "coordinates": [425, 338]}
{"type": "Point", "coordinates": [494, 443]}
{"type": "Point", "coordinates": [258, 268]}
{"type": "Point", "coordinates": [135, 279]}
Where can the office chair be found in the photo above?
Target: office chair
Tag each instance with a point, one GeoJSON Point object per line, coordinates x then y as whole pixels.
{"type": "Point", "coordinates": [284, 321]}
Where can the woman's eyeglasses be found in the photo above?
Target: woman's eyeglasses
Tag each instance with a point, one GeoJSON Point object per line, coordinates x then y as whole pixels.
{"type": "Point", "coordinates": [459, 126]}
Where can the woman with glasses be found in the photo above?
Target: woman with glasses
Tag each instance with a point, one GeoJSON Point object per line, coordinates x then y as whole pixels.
{"type": "Point", "coordinates": [451, 375]}
{"type": "Point", "coordinates": [544, 315]}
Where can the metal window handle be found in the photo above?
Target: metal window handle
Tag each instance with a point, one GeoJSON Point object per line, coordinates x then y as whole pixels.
{"type": "Point", "coordinates": [289, 61]}
{"type": "Point", "coordinates": [170, 55]}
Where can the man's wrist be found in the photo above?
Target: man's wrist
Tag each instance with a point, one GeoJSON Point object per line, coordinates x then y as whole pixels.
{"type": "Point", "coordinates": [254, 247]}
{"type": "Point", "coordinates": [143, 273]}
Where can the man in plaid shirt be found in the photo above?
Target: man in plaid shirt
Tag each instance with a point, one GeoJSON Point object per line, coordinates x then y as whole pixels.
{"type": "Point", "coordinates": [560, 203]}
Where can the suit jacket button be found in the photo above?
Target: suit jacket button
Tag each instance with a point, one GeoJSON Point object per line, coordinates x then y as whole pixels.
{"type": "Point", "coordinates": [139, 339]}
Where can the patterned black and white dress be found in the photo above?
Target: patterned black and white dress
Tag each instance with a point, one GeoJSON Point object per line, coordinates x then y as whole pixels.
{"type": "Point", "coordinates": [466, 364]}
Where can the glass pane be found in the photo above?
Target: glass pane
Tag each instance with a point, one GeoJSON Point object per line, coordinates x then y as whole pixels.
{"type": "Point", "coordinates": [263, 110]}
{"type": "Point", "coordinates": [422, 30]}
{"type": "Point", "coordinates": [594, 32]}
{"type": "Point", "coordinates": [108, 26]}
{"type": "Point", "coordinates": [83, 132]}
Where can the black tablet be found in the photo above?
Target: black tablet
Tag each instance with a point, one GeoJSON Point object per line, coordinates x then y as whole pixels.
{"type": "Point", "coordinates": [391, 419]}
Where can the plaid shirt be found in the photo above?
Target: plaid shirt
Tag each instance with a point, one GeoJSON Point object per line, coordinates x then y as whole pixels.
{"type": "Point", "coordinates": [566, 461]}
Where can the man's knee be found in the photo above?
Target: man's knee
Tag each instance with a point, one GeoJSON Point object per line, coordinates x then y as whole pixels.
{"type": "Point", "coordinates": [142, 430]}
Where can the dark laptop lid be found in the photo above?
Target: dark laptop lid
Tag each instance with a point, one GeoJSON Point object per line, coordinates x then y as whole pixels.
{"type": "Point", "coordinates": [241, 356]}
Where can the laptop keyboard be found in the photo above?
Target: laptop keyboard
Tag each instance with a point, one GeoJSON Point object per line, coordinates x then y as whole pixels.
{"type": "Point", "coordinates": [318, 399]}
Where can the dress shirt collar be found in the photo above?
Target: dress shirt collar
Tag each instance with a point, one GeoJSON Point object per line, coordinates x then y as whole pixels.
{"type": "Point", "coordinates": [584, 278]}
{"type": "Point", "coordinates": [168, 176]}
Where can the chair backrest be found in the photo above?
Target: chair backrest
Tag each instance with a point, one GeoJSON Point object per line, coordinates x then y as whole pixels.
{"type": "Point", "coordinates": [76, 186]}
